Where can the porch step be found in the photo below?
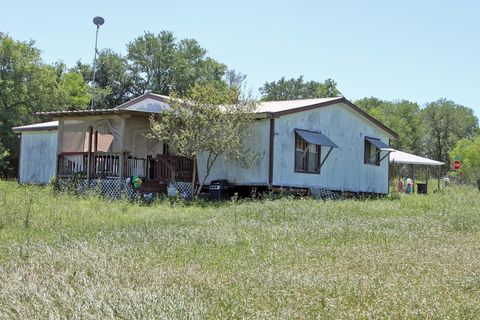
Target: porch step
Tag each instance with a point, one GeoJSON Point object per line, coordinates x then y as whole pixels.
{"type": "Point", "coordinates": [153, 187]}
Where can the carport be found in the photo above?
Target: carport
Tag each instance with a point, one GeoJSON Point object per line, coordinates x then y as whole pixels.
{"type": "Point", "coordinates": [400, 157]}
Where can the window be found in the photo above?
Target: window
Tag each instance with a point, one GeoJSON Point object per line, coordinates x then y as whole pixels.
{"type": "Point", "coordinates": [371, 154]}
{"type": "Point", "coordinates": [307, 156]}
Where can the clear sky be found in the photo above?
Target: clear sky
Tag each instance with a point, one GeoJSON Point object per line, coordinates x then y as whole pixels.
{"type": "Point", "coordinates": [417, 50]}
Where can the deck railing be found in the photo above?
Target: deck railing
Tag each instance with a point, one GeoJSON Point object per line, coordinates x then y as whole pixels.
{"type": "Point", "coordinates": [135, 167]}
{"type": "Point", "coordinates": [102, 164]}
{"type": "Point", "coordinates": [105, 164]}
{"type": "Point", "coordinates": [72, 163]}
{"type": "Point", "coordinates": [166, 168]}
{"type": "Point", "coordinates": [173, 168]}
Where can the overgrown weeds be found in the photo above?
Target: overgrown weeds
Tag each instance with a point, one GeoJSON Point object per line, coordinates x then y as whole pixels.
{"type": "Point", "coordinates": [63, 256]}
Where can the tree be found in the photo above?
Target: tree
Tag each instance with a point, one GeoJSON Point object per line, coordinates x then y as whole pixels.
{"type": "Point", "coordinates": [234, 79]}
{"type": "Point", "coordinates": [298, 89]}
{"type": "Point", "coordinates": [27, 86]}
{"type": "Point", "coordinates": [161, 64]}
{"type": "Point", "coordinates": [445, 123]}
{"type": "Point", "coordinates": [468, 152]}
{"type": "Point", "coordinates": [113, 79]}
{"type": "Point", "coordinates": [72, 92]}
{"type": "Point", "coordinates": [3, 159]}
{"type": "Point", "coordinates": [401, 116]}
{"type": "Point", "coordinates": [210, 121]}
{"type": "Point", "coordinates": [24, 84]}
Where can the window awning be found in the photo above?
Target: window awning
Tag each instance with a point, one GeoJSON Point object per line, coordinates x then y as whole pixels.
{"type": "Point", "coordinates": [316, 138]}
{"type": "Point", "coordinates": [379, 144]}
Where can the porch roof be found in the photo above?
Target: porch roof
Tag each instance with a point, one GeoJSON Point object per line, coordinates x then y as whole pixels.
{"type": "Point", "coordinates": [44, 126]}
{"type": "Point", "coordinates": [407, 158]}
{"type": "Point", "coordinates": [85, 112]}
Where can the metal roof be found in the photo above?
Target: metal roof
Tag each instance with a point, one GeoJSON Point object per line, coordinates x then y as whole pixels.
{"type": "Point", "coordinates": [264, 109]}
{"type": "Point", "coordinates": [43, 126]}
{"type": "Point", "coordinates": [83, 112]}
{"type": "Point", "coordinates": [397, 156]}
{"type": "Point", "coordinates": [278, 106]}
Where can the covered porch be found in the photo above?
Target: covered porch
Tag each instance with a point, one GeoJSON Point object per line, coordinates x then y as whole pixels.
{"type": "Point", "coordinates": [114, 147]}
{"type": "Point", "coordinates": [400, 158]}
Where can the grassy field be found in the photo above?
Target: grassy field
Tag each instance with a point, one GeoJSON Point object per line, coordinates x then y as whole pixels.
{"type": "Point", "coordinates": [67, 257]}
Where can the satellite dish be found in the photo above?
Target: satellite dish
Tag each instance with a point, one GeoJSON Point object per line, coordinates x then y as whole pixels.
{"type": "Point", "coordinates": [98, 21]}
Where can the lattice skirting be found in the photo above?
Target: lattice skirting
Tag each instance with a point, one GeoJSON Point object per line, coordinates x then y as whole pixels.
{"type": "Point", "coordinates": [321, 193]}
{"type": "Point", "coordinates": [184, 188]}
{"type": "Point", "coordinates": [112, 188]}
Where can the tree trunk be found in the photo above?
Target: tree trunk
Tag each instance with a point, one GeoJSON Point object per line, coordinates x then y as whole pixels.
{"type": "Point", "coordinates": [210, 163]}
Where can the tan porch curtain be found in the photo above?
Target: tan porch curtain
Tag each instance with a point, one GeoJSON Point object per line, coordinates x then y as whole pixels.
{"type": "Point", "coordinates": [73, 135]}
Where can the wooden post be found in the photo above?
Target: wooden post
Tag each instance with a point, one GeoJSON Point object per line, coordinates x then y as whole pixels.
{"type": "Point", "coordinates": [121, 166]}
{"type": "Point", "coordinates": [89, 155]}
{"type": "Point", "coordinates": [96, 141]}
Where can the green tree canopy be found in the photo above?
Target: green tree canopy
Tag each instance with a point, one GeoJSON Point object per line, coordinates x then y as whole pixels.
{"type": "Point", "coordinates": [444, 123]}
{"type": "Point", "coordinates": [27, 86]}
{"type": "Point", "coordinates": [402, 116]}
{"type": "Point", "coordinates": [431, 131]}
{"type": "Point", "coordinates": [160, 63]}
{"type": "Point", "coordinates": [113, 79]}
{"type": "Point", "coordinates": [298, 89]}
{"type": "Point", "coordinates": [468, 152]}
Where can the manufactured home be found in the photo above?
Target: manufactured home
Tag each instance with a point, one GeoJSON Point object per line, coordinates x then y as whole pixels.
{"type": "Point", "coordinates": [325, 143]}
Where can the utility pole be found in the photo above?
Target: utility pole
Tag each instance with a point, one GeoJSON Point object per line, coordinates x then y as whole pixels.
{"type": "Point", "coordinates": [98, 21]}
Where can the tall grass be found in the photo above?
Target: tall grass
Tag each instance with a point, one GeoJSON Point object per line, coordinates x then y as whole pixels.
{"type": "Point", "coordinates": [68, 257]}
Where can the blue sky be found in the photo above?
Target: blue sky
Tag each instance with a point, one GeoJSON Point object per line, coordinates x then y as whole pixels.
{"type": "Point", "coordinates": [417, 50]}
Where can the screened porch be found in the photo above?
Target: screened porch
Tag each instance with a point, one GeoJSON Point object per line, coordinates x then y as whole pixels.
{"type": "Point", "coordinates": [116, 148]}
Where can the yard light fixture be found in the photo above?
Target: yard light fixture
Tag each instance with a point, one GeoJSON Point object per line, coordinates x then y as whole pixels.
{"type": "Point", "coordinates": [98, 21]}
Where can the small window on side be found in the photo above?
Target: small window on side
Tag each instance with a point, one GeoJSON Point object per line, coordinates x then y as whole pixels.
{"type": "Point", "coordinates": [371, 154]}
{"type": "Point", "coordinates": [307, 156]}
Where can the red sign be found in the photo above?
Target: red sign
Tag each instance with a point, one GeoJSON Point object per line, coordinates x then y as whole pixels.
{"type": "Point", "coordinates": [456, 165]}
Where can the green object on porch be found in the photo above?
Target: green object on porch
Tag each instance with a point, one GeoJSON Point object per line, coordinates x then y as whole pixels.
{"type": "Point", "coordinates": [136, 181]}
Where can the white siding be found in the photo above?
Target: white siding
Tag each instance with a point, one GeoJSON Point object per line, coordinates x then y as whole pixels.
{"type": "Point", "coordinates": [38, 157]}
{"type": "Point", "coordinates": [257, 175]}
{"type": "Point", "coordinates": [344, 169]}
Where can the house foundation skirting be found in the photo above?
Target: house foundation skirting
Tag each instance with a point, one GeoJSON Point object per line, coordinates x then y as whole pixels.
{"type": "Point", "coordinates": [184, 188]}
{"type": "Point", "coordinates": [113, 188]}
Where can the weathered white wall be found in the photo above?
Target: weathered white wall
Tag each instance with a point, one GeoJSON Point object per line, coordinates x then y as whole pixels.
{"type": "Point", "coordinates": [344, 169]}
{"type": "Point", "coordinates": [38, 157]}
{"type": "Point", "coordinates": [257, 175]}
